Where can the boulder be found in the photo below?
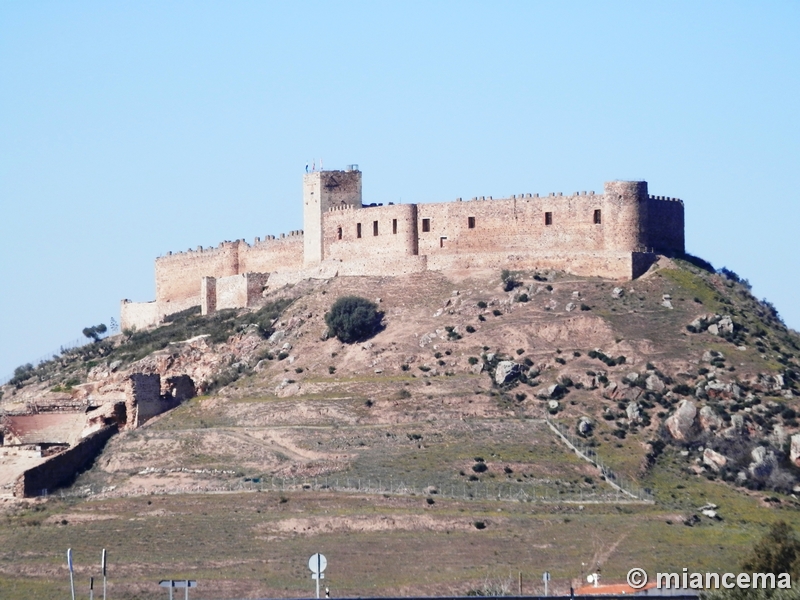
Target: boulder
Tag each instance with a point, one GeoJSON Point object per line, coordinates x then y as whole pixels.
{"type": "Point", "coordinates": [585, 426]}
{"type": "Point", "coordinates": [713, 459]}
{"type": "Point", "coordinates": [506, 371]}
{"type": "Point", "coordinates": [570, 306]}
{"type": "Point", "coordinates": [632, 410]}
{"type": "Point", "coordinates": [654, 383]}
{"type": "Point", "coordinates": [552, 404]}
{"type": "Point", "coordinates": [794, 449]}
{"type": "Point", "coordinates": [632, 377]}
{"type": "Point", "coordinates": [763, 462]}
{"type": "Point", "coordinates": [680, 423]}
{"type": "Point", "coordinates": [617, 292]}
{"type": "Point", "coordinates": [709, 420]}
{"type": "Point", "coordinates": [554, 391]}
{"type": "Point", "coordinates": [725, 324]}
{"type": "Point", "coordinates": [610, 391]}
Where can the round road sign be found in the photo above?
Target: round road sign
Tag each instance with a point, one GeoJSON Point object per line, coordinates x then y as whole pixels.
{"type": "Point", "coordinates": [317, 563]}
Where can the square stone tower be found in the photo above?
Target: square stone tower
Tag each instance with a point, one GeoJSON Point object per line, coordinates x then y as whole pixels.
{"type": "Point", "coordinates": [323, 190]}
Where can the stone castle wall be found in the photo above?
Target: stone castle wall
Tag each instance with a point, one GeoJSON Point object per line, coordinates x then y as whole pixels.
{"type": "Point", "coordinates": [614, 234]}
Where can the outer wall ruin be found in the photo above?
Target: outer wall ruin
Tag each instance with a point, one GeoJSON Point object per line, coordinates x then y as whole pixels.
{"type": "Point", "coordinates": [615, 235]}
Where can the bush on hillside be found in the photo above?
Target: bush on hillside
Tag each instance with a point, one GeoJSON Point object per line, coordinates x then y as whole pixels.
{"type": "Point", "coordinates": [353, 319]}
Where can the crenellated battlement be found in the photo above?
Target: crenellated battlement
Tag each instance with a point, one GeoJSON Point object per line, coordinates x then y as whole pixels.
{"type": "Point", "coordinates": [665, 199]}
{"type": "Point", "coordinates": [585, 233]}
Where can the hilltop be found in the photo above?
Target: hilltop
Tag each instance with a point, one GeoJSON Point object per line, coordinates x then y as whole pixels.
{"type": "Point", "coordinates": [430, 447]}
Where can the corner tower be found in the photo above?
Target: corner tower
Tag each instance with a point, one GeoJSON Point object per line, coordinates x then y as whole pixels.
{"type": "Point", "coordinates": [323, 190]}
{"type": "Point", "coordinates": [626, 204]}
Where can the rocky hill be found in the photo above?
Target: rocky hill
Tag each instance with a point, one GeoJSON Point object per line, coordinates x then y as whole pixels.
{"type": "Point", "coordinates": [499, 424]}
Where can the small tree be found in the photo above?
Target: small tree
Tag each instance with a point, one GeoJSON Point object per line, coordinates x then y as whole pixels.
{"type": "Point", "coordinates": [777, 552]}
{"type": "Point", "coordinates": [94, 332]}
{"type": "Point", "coordinates": [353, 319]}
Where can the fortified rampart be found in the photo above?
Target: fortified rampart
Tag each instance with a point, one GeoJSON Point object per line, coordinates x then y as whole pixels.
{"type": "Point", "coordinates": [614, 235]}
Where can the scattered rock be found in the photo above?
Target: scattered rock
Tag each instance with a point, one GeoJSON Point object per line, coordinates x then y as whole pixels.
{"type": "Point", "coordinates": [569, 307]}
{"type": "Point", "coordinates": [709, 419]}
{"type": "Point", "coordinates": [632, 377]}
{"type": "Point", "coordinates": [585, 426]}
{"type": "Point", "coordinates": [632, 410]}
{"type": "Point", "coordinates": [763, 463]}
{"type": "Point", "coordinates": [666, 301]}
{"type": "Point", "coordinates": [617, 292]}
{"type": "Point", "coordinates": [506, 371]}
{"type": "Point", "coordinates": [680, 423]}
{"type": "Point", "coordinates": [552, 404]}
{"type": "Point", "coordinates": [654, 383]}
{"type": "Point", "coordinates": [794, 450]}
{"type": "Point", "coordinates": [713, 459]}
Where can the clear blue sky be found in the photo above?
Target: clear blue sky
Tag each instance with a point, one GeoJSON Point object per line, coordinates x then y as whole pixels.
{"type": "Point", "coordinates": [129, 129]}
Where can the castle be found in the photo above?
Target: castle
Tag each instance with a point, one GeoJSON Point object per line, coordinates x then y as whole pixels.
{"type": "Point", "coordinates": [614, 235]}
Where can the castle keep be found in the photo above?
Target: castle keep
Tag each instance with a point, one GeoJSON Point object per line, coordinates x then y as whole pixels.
{"type": "Point", "coordinates": [615, 235]}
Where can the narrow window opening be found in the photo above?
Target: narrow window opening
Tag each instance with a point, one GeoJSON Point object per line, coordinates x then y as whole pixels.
{"type": "Point", "coordinates": [471, 222]}
{"type": "Point", "coordinates": [441, 242]}
{"type": "Point", "coordinates": [374, 228]}
{"type": "Point", "coordinates": [426, 224]}
{"type": "Point", "coordinates": [394, 225]}
{"type": "Point", "coordinates": [358, 230]}
{"type": "Point", "coordinates": [339, 233]}
{"type": "Point", "coordinates": [597, 217]}
{"type": "Point", "coordinates": [548, 218]}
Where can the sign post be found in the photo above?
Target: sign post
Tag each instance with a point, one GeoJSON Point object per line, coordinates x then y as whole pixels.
{"type": "Point", "coordinates": [546, 578]}
{"type": "Point", "coordinates": [91, 588]}
{"type": "Point", "coordinates": [71, 577]}
{"type": "Point", "coordinates": [316, 565]}
{"type": "Point", "coordinates": [178, 583]}
{"type": "Point", "coordinates": [103, 558]}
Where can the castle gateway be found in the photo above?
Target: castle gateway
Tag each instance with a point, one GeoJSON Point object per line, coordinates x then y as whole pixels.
{"type": "Point", "coordinates": [614, 235]}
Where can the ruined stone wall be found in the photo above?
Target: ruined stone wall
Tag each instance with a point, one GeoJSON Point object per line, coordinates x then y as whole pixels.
{"type": "Point", "coordinates": [60, 469]}
{"type": "Point", "coordinates": [178, 275]}
{"type": "Point", "coordinates": [144, 400]}
{"type": "Point", "coordinates": [255, 284]}
{"type": "Point", "coordinates": [665, 224]}
{"type": "Point", "coordinates": [272, 254]}
{"type": "Point", "coordinates": [138, 315]}
{"type": "Point", "coordinates": [231, 292]}
{"type": "Point", "coordinates": [208, 295]}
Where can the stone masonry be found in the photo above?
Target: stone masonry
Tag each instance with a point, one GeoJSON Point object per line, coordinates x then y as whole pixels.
{"type": "Point", "coordinates": [616, 234]}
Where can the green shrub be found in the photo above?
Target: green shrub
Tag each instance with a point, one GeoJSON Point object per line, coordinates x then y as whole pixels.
{"type": "Point", "coordinates": [472, 360]}
{"type": "Point", "coordinates": [353, 319]}
{"type": "Point", "coordinates": [470, 329]}
{"type": "Point", "coordinates": [497, 312]}
{"type": "Point", "coordinates": [482, 304]}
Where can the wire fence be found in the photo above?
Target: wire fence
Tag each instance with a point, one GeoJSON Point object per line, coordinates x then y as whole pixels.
{"type": "Point", "coordinates": [467, 491]}
{"type": "Point", "coordinates": [578, 446]}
